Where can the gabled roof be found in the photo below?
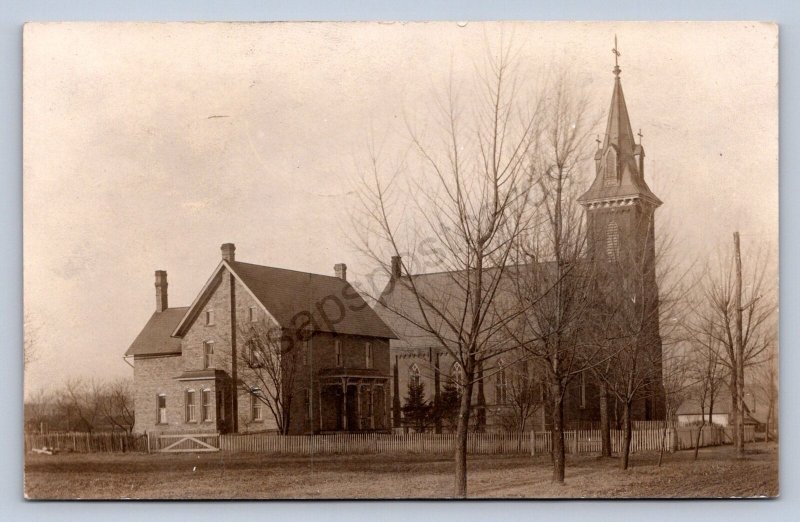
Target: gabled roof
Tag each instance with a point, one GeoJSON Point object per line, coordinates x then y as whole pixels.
{"type": "Point", "coordinates": [293, 298]}
{"type": "Point", "coordinates": [400, 308]}
{"type": "Point", "coordinates": [155, 338]}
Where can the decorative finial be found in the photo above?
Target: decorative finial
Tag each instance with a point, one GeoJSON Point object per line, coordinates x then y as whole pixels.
{"type": "Point", "coordinates": [640, 136]}
{"type": "Point", "coordinates": [598, 141]}
{"type": "Point", "coordinates": [617, 54]}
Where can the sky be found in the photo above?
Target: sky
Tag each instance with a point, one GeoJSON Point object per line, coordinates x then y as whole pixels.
{"type": "Point", "coordinates": [147, 146]}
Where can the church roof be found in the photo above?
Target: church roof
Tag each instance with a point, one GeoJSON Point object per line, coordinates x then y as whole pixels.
{"type": "Point", "coordinates": [619, 137]}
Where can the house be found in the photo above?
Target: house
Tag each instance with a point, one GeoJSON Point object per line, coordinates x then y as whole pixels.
{"type": "Point", "coordinates": [620, 211]}
{"type": "Point", "coordinates": [755, 410]}
{"type": "Point", "coordinates": [209, 367]}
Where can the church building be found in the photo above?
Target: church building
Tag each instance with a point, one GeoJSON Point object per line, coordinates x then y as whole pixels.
{"type": "Point", "coordinates": [620, 209]}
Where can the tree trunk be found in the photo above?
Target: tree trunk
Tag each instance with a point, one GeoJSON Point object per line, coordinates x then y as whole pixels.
{"type": "Point", "coordinates": [558, 453]}
{"type": "Point", "coordinates": [697, 439]}
{"type": "Point", "coordinates": [626, 432]}
{"type": "Point", "coordinates": [605, 424]}
{"type": "Point", "coordinates": [462, 429]}
{"type": "Point", "coordinates": [663, 443]}
{"type": "Point", "coordinates": [738, 342]}
{"type": "Point", "coordinates": [734, 413]}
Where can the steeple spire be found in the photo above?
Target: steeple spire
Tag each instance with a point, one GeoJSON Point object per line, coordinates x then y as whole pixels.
{"type": "Point", "coordinates": [619, 161]}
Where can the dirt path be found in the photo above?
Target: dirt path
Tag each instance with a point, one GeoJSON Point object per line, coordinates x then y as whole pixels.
{"type": "Point", "coordinates": [716, 474]}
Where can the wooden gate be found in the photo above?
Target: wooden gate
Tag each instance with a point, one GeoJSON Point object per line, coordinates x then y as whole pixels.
{"type": "Point", "coordinates": [187, 442]}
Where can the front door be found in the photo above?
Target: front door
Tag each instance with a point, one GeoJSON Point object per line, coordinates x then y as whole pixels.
{"type": "Point", "coordinates": [352, 408]}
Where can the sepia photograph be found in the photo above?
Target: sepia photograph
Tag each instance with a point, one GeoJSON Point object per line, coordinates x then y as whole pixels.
{"type": "Point", "coordinates": [396, 260]}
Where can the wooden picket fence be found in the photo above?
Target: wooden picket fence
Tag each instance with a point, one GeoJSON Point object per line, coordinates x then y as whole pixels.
{"type": "Point", "coordinates": [81, 442]}
{"type": "Point", "coordinates": [532, 443]}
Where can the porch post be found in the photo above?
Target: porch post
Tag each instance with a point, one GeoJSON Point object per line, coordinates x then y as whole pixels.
{"type": "Point", "coordinates": [358, 405]}
{"type": "Point", "coordinates": [344, 404]}
{"type": "Point", "coordinates": [319, 409]}
{"type": "Point", "coordinates": [372, 405]}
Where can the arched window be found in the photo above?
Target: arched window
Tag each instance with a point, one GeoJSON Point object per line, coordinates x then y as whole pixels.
{"type": "Point", "coordinates": [500, 386]}
{"type": "Point", "coordinates": [413, 375]}
{"type": "Point", "coordinates": [612, 241]}
{"type": "Point", "coordinates": [610, 176]}
{"type": "Point", "coordinates": [456, 375]}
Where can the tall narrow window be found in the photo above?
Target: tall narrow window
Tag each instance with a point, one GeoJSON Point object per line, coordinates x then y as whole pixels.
{"type": "Point", "coordinates": [209, 317]}
{"type": "Point", "coordinates": [612, 241]}
{"type": "Point", "coordinates": [369, 355]}
{"type": "Point", "coordinates": [256, 406]}
{"type": "Point", "coordinates": [161, 409]}
{"type": "Point", "coordinates": [583, 389]}
{"type": "Point", "coordinates": [221, 405]}
{"type": "Point", "coordinates": [206, 402]}
{"type": "Point", "coordinates": [252, 314]}
{"type": "Point", "coordinates": [456, 375]}
{"type": "Point", "coordinates": [337, 349]}
{"type": "Point", "coordinates": [191, 411]}
{"type": "Point", "coordinates": [413, 375]}
{"type": "Point", "coordinates": [208, 354]}
{"type": "Point", "coordinates": [500, 384]}
{"type": "Point", "coordinates": [610, 177]}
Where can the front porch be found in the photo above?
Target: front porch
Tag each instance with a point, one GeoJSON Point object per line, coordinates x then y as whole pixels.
{"type": "Point", "coordinates": [352, 400]}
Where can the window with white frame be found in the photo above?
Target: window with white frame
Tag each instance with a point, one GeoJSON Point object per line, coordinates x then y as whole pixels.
{"type": "Point", "coordinates": [256, 405]}
{"type": "Point", "coordinates": [369, 355]}
{"type": "Point", "coordinates": [208, 354]}
{"type": "Point", "coordinates": [161, 409]}
{"type": "Point", "coordinates": [207, 411]}
{"type": "Point", "coordinates": [191, 406]}
{"type": "Point", "coordinates": [255, 356]}
{"type": "Point", "coordinates": [337, 350]}
{"type": "Point", "coordinates": [252, 314]}
{"type": "Point", "coordinates": [209, 317]}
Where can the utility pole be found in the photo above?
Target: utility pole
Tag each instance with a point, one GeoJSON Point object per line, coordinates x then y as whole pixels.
{"type": "Point", "coordinates": [739, 349]}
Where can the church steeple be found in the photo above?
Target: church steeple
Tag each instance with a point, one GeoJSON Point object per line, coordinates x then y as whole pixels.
{"type": "Point", "coordinates": [619, 162]}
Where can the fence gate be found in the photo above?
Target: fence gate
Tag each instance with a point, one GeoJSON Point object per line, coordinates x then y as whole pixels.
{"type": "Point", "coordinates": [188, 442]}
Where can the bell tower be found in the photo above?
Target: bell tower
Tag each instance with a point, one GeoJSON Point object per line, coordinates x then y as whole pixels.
{"type": "Point", "coordinates": [620, 211]}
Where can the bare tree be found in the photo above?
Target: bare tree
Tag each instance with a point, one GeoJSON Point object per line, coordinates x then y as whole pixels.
{"type": "Point", "coordinates": [79, 404]}
{"type": "Point", "coordinates": [745, 331]}
{"type": "Point", "coordinates": [520, 396]}
{"type": "Point", "coordinates": [642, 312]}
{"type": "Point", "coordinates": [465, 213]}
{"type": "Point", "coordinates": [676, 377]}
{"type": "Point", "coordinates": [116, 405]}
{"type": "Point", "coordinates": [268, 368]}
{"type": "Point", "coordinates": [554, 286]}
{"type": "Point", "coordinates": [765, 381]}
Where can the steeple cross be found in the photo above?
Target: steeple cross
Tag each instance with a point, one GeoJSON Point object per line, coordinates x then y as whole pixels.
{"type": "Point", "coordinates": [617, 54]}
{"type": "Point", "coordinates": [640, 136]}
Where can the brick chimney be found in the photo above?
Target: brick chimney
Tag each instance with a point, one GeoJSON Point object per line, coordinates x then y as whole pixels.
{"type": "Point", "coordinates": [228, 252]}
{"type": "Point", "coordinates": [341, 271]}
{"type": "Point", "coordinates": [161, 291]}
{"type": "Point", "coordinates": [397, 267]}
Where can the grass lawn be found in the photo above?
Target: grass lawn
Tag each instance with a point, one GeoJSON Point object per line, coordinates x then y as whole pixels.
{"type": "Point", "coordinates": [716, 473]}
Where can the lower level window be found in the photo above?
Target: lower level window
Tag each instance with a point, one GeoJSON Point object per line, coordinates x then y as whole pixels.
{"type": "Point", "coordinates": [206, 398]}
{"type": "Point", "coordinates": [191, 410]}
{"type": "Point", "coordinates": [256, 405]}
{"type": "Point", "coordinates": [161, 409]}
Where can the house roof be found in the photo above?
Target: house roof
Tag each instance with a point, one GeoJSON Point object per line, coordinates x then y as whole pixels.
{"type": "Point", "coordinates": [155, 339]}
{"type": "Point", "coordinates": [292, 297]}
